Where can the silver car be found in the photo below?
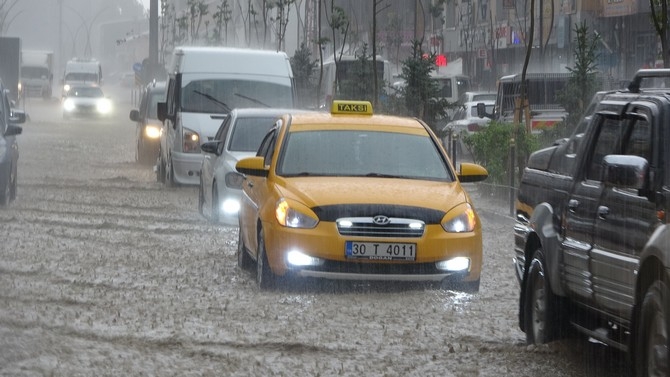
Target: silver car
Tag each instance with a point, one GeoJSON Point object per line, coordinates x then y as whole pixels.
{"type": "Point", "coordinates": [238, 137]}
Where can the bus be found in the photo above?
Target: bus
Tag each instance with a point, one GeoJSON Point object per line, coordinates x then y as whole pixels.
{"type": "Point", "coordinates": [542, 90]}
{"type": "Point", "coordinates": [349, 85]}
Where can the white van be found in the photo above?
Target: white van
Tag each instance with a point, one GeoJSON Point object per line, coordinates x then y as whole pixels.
{"type": "Point", "coordinates": [204, 85]}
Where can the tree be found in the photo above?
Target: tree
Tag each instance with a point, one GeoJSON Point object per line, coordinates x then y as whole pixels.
{"type": "Point", "coordinates": [583, 82]}
{"type": "Point", "coordinates": [660, 21]}
{"type": "Point", "coordinates": [421, 93]}
{"type": "Point", "coordinates": [221, 17]}
{"type": "Point", "coordinates": [7, 16]}
{"type": "Point", "coordinates": [303, 68]}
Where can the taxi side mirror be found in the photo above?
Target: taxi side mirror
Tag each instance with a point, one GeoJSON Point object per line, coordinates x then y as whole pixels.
{"type": "Point", "coordinates": [254, 166]}
{"type": "Point", "coordinates": [472, 172]}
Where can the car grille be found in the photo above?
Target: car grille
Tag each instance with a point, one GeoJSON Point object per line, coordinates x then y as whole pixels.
{"type": "Point", "coordinates": [380, 226]}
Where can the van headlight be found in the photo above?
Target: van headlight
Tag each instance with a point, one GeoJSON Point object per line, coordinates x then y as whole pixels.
{"type": "Point", "coordinates": [152, 132]}
{"type": "Point", "coordinates": [191, 141]}
{"type": "Point", "coordinates": [104, 106]}
{"type": "Point", "coordinates": [68, 105]}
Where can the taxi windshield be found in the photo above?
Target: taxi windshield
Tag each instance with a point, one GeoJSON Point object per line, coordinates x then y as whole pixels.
{"type": "Point", "coordinates": [362, 153]}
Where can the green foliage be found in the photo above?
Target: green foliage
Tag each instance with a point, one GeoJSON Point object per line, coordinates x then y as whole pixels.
{"type": "Point", "coordinates": [304, 69]}
{"type": "Point", "coordinates": [421, 94]}
{"type": "Point", "coordinates": [490, 148]}
{"type": "Point", "coordinates": [583, 82]}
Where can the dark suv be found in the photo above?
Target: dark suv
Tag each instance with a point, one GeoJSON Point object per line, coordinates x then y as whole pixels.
{"type": "Point", "coordinates": [592, 241]}
{"type": "Point", "coordinates": [9, 149]}
{"type": "Point", "coordinates": [148, 127]}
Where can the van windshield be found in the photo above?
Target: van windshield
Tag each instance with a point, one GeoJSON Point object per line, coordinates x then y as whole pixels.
{"type": "Point", "coordinates": [221, 95]}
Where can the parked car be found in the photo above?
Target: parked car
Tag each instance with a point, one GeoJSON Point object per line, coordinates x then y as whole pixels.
{"type": "Point", "coordinates": [148, 128]}
{"type": "Point", "coordinates": [350, 195]}
{"type": "Point", "coordinates": [85, 100]}
{"type": "Point", "coordinates": [466, 120]}
{"type": "Point", "coordinates": [238, 137]}
{"type": "Point", "coordinates": [9, 149]}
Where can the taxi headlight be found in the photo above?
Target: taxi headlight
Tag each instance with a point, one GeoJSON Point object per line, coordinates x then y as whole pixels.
{"type": "Point", "coordinates": [68, 105]}
{"type": "Point", "coordinates": [454, 264]}
{"type": "Point", "coordinates": [104, 106]}
{"type": "Point", "coordinates": [152, 132]}
{"type": "Point", "coordinates": [460, 219]}
{"type": "Point", "coordinates": [191, 141]}
{"type": "Point", "coordinates": [291, 217]}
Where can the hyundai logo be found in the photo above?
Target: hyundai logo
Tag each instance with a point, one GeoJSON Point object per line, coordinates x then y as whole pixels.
{"type": "Point", "coordinates": [381, 220]}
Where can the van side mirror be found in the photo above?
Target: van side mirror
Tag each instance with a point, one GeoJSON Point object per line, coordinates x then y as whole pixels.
{"type": "Point", "coordinates": [161, 111]}
{"type": "Point", "coordinates": [481, 111]}
{"type": "Point", "coordinates": [135, 115]}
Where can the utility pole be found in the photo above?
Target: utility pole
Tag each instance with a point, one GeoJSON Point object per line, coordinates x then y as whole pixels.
{"type": "Point", "coordinates": [153, 39]}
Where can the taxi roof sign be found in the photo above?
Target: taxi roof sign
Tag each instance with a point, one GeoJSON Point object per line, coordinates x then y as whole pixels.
{"type": "Point", "coordinates": [351, 107]}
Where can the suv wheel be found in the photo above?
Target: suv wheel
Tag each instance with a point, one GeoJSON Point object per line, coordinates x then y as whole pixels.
{"type": "Point", "coordinates": [652, 332]}
{"type": "Point", "coordinates": [542, 309]}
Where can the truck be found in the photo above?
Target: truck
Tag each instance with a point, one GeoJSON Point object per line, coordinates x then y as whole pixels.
{"type": "Point", "coordinates": [81, 70]}
{"type": "Point", "coordinates": [37, 73]}
{"type": "Point", "coordinates": [592, 229]}
{"type": "Point", "coordinates": [10, 67]}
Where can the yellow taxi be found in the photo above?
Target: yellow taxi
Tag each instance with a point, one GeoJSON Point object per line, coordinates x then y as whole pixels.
{"type": "Point", "coordinates": [356, 196]}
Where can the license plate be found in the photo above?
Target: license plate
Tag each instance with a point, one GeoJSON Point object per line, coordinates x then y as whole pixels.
{"type": "Point", "coordinates": [380, 250]}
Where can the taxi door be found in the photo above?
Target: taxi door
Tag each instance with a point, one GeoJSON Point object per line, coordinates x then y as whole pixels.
{"type": "Point", "coordinates": [582, 208]}
{"type": "Point", "coordinates": [254, 191]}
{"type": "Point", "coordinates": [624, 223]}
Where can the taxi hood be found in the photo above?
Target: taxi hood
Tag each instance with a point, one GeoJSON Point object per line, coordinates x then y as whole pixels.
{"type": "Point", "coordinates": [325, 191]}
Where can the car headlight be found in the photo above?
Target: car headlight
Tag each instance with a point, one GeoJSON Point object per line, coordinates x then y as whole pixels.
{"type": "Point", "coordinates": [152, 132]}
{"type": "Point", "coordinates": [460, 219]}
{"type": "Point", "coordinates": [291, 217]}
{"type": "Point", "coordinates": [66, 87]}
{"type": "Point", "coordinates": [191, 141]}
{"type": "Point", "coordinates": [68, 105]}
{"type": "Point", "coordinates": [104, 106]}
{"type": "Point", "coordinates": [454, 264]}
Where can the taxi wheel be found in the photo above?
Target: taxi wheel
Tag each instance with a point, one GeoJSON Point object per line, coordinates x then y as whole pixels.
{"type": "Point", "coordinates": [651, 357]}
{"type": "Point", "coordinates": [542, 309]}
{"type": "Point", "coordinates": [5, 195]}
{"type": "Point", "coordinates": [215, 203]}
{"type": "Point", "coordinates": [264, 276]}
{"type": "Point", "coordinates": [244, 261]}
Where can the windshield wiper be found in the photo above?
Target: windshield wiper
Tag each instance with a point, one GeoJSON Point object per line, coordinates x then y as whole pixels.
{"type": "Point", "coordinates": [380, 175]}
{"type": "Point", "coordinates": [209, 97]}
{"type": "Point", "coordinates": [252, 100]}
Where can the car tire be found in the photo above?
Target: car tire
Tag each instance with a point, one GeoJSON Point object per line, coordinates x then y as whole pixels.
{"type": "Point", "coordinates": [5, 195]}
{"type": "Point", "coordinates": [244, 260]}
{"type": "Point", "coordinates": [265, 278]}
{"type": "Point", "coordinates": [214, 216]}
{"type": "Point", "coordinates": [160, 170]}
{"type": "Point", "coordinates": [169, 176]}
{"type": "Point", "coordinates": [201, 198]}
{"type": "Point", "coordinates": [543, 311]}
{"type": "Point", "coordinates": [651, 354]}
{"type": "Point", "coordinates": [13, 187]}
